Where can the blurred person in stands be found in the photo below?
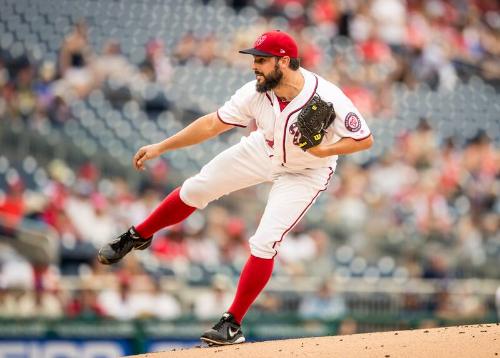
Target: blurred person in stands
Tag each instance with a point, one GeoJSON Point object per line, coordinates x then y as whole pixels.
{"type": "Point", "coordinates": [232, 246]}
{"type": "Point", "coordinates": [12, 204]}
{"type": "Point", "coordinates": [147, 200]}
{"type": "Point", "coordinates": [348, 212]}
{"type": "Point", "coordinates": [89, 212]}
{"type": "Point", "coordinates": [185, 49]}
{"type": "Point", "coordinates": [163, 304]}
{"type": "Point", "coordinates": [311, 55]}
{"type": "Point", "coordinates": [170, 246]}
{"type": "Point", "coordinates": [142, 293]}
{"type": "Point", "coordinates": [207, 50]}
{"type": "Point", "coordinates": [74, 58]}
{"type": "Point", "coordinates": [103, 224]}
{"type": "Point", "coordinates": [157, 66]}
{"type": "Point", "coordinates": [43, 85]}
{"type": "Point", "coordinates": [139, 298]}
{"type": "Point", "coordinates": [325, 304]}
{"type": "Point", "coordinates": [207, 305]}
{"type": "Point", "coordinates": [114, 66]}
{"type": "Point", "coordinates": [22, 96]}
{"type": "Point", "coordinates": [269, 303]}
{"type": "Point", "coordinates": [456, 306]}
{"type": "Point", "coordinates": [390, 17]}
{"type": "Point", "coordinates": [84, 303]}
{"type": "Point", "coordinates": [202, 249]}
{"type": "Point", "coordinates": [45, 298]}
{"type": "Point", "coordinates": [323, 263]}
{"type": "Point", "coordinates": [420, 146]}
{"type": "Point", "coordinates": [297, 252]}
{"type": "Point", "coordinates": [347, 326]}
{"type": "Point", "coordinates": [437, 266]}
{"type": "Point", "coordinates": [391, 176]}
{"type": "Point", "coordinates": [16, 278]}
{"type": "Point", "coordinates": [117, 302]}
{"type": "Point", "coordinates": [429, 206]}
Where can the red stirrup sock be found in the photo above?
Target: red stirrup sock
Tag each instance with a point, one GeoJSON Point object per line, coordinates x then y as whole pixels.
{"type": "Point", "coordinates": [171, 210]}
{"type": "Point", "coordinates": [253, 279]}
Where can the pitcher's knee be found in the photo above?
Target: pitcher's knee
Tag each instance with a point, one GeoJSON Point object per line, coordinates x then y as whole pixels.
{"type": "Point", "coordinates": [195, 193]}
{"type": "Point", "coordinates": [264, 249]}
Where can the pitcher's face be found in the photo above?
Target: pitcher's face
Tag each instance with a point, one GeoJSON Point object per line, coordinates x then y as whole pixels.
{"type": "Point", "coordinates": [267, 73]}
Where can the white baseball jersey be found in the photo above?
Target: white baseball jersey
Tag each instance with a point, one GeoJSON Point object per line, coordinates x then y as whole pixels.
{"type": "Point", "coordinates": [278, 126]}
{"type": "Point", "coordinates": [270, 154]}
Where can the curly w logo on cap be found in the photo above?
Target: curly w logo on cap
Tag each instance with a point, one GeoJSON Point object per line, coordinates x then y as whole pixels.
{"type": "Point", "coordinates": [274, 43]}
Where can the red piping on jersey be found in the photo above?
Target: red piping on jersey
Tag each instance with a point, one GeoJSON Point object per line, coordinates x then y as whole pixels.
{"type": "Point", "coordinates": [356, 139]}
{"type": "Point", "coordinates": [303, 212]}
{"type": "Point", "coordinates": [231, 124]}
{"type": "Point", "coordinates": [269, 98]}
{"type": "Point", "coordinates": [287, 118]}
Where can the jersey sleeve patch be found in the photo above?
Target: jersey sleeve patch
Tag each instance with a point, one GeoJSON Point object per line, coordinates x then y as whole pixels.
{"type": "Point", "coordinates": [352, 122]}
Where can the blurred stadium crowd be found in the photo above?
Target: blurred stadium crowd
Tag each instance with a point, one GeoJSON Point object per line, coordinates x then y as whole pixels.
{"type": "Point", "coordinates": [108, 77]}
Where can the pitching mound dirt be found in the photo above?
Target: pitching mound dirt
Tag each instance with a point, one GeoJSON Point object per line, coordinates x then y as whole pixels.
{"type": "Point", "coordinates": [463, 341]}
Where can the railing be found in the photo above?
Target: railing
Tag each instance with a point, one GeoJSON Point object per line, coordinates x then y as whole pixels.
{"type": "Point", "coordinates": [38, 242]}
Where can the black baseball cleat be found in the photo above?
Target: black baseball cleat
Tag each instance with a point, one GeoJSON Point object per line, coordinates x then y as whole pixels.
{"type": "Point", "coordinates": [118, 248]}
{"type": "Point", "coordinates": [225, 332]}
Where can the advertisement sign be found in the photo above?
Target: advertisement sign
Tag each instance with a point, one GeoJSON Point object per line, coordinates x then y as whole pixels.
{"type": "Point", "coordinates": [26, 348]}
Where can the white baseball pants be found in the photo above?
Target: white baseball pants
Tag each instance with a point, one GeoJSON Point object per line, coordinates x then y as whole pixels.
{"type": "Point", "coordinates": [248, 163]}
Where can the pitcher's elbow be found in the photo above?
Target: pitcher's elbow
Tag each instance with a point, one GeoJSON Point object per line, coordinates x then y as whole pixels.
{"type": "Point", "coordinates": [369, 141]}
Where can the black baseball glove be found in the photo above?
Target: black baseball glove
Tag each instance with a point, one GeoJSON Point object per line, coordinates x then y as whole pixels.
{"type": "Point", "coordinates": [313, 120]}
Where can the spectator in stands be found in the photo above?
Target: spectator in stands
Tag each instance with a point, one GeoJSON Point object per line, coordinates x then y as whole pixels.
{"type": "Point", "coordinates": [112, 65]}
{"type": "Point", "coordinates": [207, 305]}
{"type": "Point", "coordinates": [325, 304]}
{"type": "Point", "coordinates": [157, 66]}
{"type": "Point", "coordinates": [74, 58]}
{"type": "Point", "coordinates": [43, 86]}
{"type": "Point", "coordinates": [8, 303]}
{"type": "Point", "coordinates": [12, 205]}
{"type": "Point", "coordinates": [436, 267]}
{"type": "Point", "coordinates": [271, 303]}
{"type": "Point", "coordinates": [323, 263]}
{"type": "Point", "coordinates": [207, 49]}
{"type": "Point", "coordinates": [24, 98]}
{"type": "Point", "coordinates": [233, 246]}
{"type": "Point", "coordinates": [297, 251]}
{"type": "Point", "coordinates": [185, 49]}
{"type": "Point", "coordinates": [123, 302]}
{"type": "Point", "coordinates": [202, 249]}
{"type": "Point", "coordinates": [84, 303]}
{"type": "Point", "coordinates": [347, 326]}
{"type": "Point", "coordinates": [16, 277]}
{"type": "Point", "coordinates": [163, 304]}
{"type": "Point", "coordinates": [458, 306]}
{"type": "Point", "coordinates": [170, 245]}
{"type": "Point", "coordinates": [44, 298]}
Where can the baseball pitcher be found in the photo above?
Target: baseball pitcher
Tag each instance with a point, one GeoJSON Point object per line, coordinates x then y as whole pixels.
{"type": "Point", "coordinates": [303, 124]}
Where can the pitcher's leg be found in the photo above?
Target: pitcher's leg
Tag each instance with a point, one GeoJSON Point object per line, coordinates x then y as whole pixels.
{"type": "Point", "coordinates": [237, 167]}
{"type": "Point", "coordinates": [243, 165]}
{"type": "Point", "coordinates": [290, 198]}
{"type": "Point", "coordinates": [240, 166]}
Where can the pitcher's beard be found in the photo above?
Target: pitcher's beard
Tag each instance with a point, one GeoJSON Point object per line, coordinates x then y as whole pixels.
{"type": "Point", "coordinates": [271, 81]}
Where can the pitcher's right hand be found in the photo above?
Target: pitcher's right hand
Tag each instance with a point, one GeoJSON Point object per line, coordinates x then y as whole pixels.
{"type": "Point", "coordinates": [145, 153]}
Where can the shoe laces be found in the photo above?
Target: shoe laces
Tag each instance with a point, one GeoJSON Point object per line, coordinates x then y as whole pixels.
{"type": "Point", "coordinates": [120, 242]}
{"type": "Point", "coordinates": [219, 324]}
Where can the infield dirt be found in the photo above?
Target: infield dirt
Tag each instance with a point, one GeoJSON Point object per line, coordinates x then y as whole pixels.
{"type": "Point", "coordinates": [481, 340]}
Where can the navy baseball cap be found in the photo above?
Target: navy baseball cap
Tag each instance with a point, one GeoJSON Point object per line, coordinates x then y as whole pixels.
{"type": "Point", "coordinates": [273, 43]}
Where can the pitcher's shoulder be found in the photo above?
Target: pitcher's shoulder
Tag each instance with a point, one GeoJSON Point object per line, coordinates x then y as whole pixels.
{"type": "Point", "coordinates": [328, 90]}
